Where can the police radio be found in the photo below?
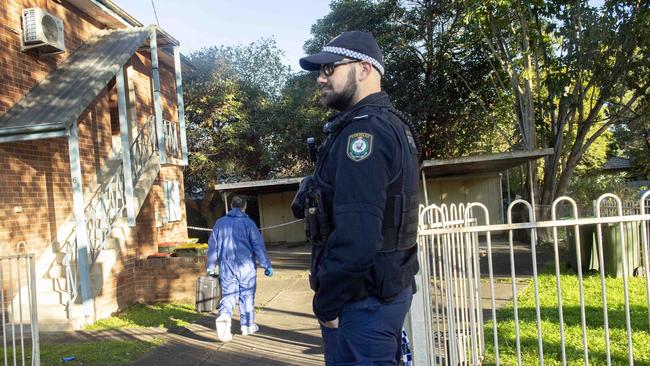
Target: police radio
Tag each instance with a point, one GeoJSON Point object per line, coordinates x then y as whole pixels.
{"type": "Point", "coordinates": [313, 152]}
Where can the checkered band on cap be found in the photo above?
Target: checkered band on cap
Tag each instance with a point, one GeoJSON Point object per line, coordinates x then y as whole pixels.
{"type": "Point", "coordinates": [355, 55]}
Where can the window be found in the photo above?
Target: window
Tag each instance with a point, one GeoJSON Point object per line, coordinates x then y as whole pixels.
{"type": "Point", "coordinates": [172, 195]}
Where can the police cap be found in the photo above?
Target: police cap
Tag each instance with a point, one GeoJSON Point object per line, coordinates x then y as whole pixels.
{"type": "Point", "coordinates": [354, 44]}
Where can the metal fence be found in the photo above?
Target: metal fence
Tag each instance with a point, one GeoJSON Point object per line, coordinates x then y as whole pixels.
{"type": "Point", "coordinates": [20, 342]}
{"type": "Point", "coordinates": [479, 300]}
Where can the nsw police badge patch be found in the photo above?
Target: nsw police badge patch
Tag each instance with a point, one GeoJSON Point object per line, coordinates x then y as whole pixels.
{"type": "Point", "coordinates": [359, 146]}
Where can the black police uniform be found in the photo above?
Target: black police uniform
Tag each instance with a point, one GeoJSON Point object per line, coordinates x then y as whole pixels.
{"type": "Point", "coordinates": [367, 173]}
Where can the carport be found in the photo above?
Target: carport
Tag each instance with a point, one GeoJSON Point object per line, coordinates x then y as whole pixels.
{"type": "Point", "coordinates": [455, 180]}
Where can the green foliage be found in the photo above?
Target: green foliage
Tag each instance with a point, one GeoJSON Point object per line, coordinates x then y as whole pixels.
{"type": "Point", "coordinates": [572, 71]}
{"type": "Point", "coordinates": [249, 117]}
{"type": "Point", "coordinates": [297, 116]}
{"type": "Point", "coordinates": [588, 187]}
{"type": "Point", "coordinates": [231, 99]}
{"type": "Point", "coordinates": [596, 156]}
{"type": "Point", "coordinates": [572, 322]}
{"type": "Point", "coordinates": [475, 76]}
{"type": "Point", "coordinates": [107, 352]}
{"type": "Point", "coordinates": [140, 316]}
{"type": "Point", "coordinates": [434, 71]}
{"type": "Point", "coordinates": [633, 141]}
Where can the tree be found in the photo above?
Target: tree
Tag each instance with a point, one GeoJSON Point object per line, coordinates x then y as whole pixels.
{"type": "Point", "coordinates": [572, 72]}
{"type": "Point", "coordinates": [633, 141]}
{"type": "Point", "coordinates": [434, 72]}
{"type": "Point", "coordinates": [298, 115]}
{"type": "Point", "coordinates": [231, 101]}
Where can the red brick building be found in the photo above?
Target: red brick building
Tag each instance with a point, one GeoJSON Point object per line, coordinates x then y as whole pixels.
{"type": "Point", "coordinates": [92, 145]}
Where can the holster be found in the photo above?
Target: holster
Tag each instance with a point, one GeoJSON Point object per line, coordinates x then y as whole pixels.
{"type": "Point", "coordinates": [309, 204]}
{"type": "Point", "coordinates": [300, 199]}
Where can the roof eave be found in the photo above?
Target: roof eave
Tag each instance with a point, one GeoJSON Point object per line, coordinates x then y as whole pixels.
{"type": "Point", "coordinates": [480, 164]}
{"type": "Point", "coordinates": [29, 136]}
{"type": "Point", "coordinates": [44, 127]}
{"type": "Point", "coordinates": [116, 12]}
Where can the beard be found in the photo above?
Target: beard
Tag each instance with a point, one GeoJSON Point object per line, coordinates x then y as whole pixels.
{"type": "Point", "coordinates": [341, 100]}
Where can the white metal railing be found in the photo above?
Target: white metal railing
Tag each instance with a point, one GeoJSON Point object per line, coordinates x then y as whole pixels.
{"type": "Point", "coordinates": [69, 263]}
{"type": "Point", "coordinates": [143, 148]}
{"type": "Point", "coordinates": [18, 308]}
{"type": "Point", "coordinates": [101, 212]}
{"type": "Point", "coordinates": [172, 145]}
{"type": "Point", "coordinates": [610, 207]}
{"type": "Point", "coordinates": [106, 206]}
{"type": "Point", "coordinates": [463, 289]}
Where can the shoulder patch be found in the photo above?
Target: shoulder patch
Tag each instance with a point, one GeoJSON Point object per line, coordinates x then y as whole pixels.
{"type": "Point", "coordinates": [359, 146]}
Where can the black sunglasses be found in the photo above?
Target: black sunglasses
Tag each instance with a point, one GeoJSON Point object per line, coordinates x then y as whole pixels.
{"type": "Point", "coordinates": [328, 69]}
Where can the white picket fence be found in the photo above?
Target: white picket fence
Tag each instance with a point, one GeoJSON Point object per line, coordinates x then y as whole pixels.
{"type": "Point", "coordinates": [456, 312]}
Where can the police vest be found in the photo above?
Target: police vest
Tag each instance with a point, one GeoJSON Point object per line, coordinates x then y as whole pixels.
{"type": "Point", "coordinates": [400, 216]}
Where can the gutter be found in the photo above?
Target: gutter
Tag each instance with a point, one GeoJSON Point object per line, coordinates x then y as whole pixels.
{"type": "Point", "coordinates": [115, 11]}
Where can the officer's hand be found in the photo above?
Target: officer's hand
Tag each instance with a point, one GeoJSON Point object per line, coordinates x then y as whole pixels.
{"type": "Point", "coordinates": [268, 272]}
{"type": "Point", "coordinates": [334, 324]}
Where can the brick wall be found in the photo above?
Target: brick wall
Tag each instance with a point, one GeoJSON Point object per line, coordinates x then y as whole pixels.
{"type": "Point", "coordinates": [34, 195]}
{"type": "Point", "coordinates": [35, 183]}
{"type": "Point", "coordinates": [143, 85]}
{"type": "Point", "coordinates": [168, 279]}
{"type": "Point", "coordinates": [20, 71]}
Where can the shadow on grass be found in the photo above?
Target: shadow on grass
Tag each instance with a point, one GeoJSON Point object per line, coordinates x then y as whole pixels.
{"type": "Point", "coordinates": [158, 316]}
{"type": "Point", "coordinates": [107, 352]}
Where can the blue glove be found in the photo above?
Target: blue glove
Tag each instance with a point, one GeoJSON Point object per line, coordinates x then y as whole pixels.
{"type": "Point", "coordinates": [213, 272]}
{"type": "Point", "coordinates": [268, 272]}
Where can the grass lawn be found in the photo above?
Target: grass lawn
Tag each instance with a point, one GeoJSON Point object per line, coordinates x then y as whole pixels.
{"type": "Point", "coordinates": [141, 316]}
{"type": "Point", "coordinates": [89, 353]}
{"type": "Point", "coordinates": [112, 352]}
{"type": "Point", "coordinates": [572, 323]}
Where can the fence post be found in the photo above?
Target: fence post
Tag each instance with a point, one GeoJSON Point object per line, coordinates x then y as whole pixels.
{"type": "Point", "coordinates": [417, 326]}
{"type": "Point", "coordinates": [36, 350]}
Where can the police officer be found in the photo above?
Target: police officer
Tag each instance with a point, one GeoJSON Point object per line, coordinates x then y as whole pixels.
{"type": "Point", "coordinates": [361, 207]}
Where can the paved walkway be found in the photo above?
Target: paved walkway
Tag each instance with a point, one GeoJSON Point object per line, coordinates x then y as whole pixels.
{"type": "Point", "coordinates": [289, 333]}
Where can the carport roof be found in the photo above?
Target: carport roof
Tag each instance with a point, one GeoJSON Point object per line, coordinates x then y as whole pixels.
{"type": "Point", "coordinates": [480, 164]}
{"type": "Point", "coordinates": [438, 168]}
{"type": "Point", "coordinates": [261, 186]}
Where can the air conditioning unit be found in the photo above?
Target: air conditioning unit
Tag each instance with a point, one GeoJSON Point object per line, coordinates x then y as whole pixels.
{"type": "Point", "coordinates": [42, 31]}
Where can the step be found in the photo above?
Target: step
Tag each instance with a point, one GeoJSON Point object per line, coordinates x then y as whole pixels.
{"type": "Point", "coordinates": [48, 305]}
{"type": "Point", "coordinates": [51, 296]}
{"type": "Point", "coordinates": [120, 228]}
{"type": "Point", "coordinates": [45, 303]}
{"type": "Point", "coordinates": [113, 243]}
{"type": "Point", "coordinates": [52, 302]}
{"type": "Point", "coordinates": [143, 186]}
{"type": "Point", "coordinates": [59, 256]}
{"type": "Point", "coordinates": [59, 324]}
{"type": "Point", "coordinates": [52, 312]}
{"type": "Point", "coordinates": [57, 271]}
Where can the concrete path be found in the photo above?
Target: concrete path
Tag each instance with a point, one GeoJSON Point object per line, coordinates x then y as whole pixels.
{"type": "Point", "coordinates": [289, 333]}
